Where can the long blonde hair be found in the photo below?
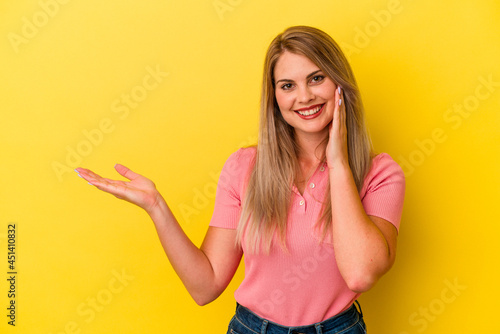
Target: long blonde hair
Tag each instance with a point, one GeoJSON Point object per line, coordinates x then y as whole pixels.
{"type": "Point", "coordinates": [268, 196]}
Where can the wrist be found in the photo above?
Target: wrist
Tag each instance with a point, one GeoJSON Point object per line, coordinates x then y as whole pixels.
{"type": "Point", "coordinates": [339, 164]}
{"type": "Point", "coordinates": [158, 208]}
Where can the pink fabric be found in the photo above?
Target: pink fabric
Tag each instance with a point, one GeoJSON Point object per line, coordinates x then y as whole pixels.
{"type": "Point", "coordinates": [303, 286]}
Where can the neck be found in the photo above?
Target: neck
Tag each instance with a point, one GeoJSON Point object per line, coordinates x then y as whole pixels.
{"type": "Point", "coordinates": [311, 147]}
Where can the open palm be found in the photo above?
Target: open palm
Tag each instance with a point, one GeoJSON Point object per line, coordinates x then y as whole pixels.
{"type": "Point", "coordinates": [139, 190]}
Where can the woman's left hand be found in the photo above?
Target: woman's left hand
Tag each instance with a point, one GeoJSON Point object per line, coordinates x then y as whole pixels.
{"type": "Point", "coordinates": [336, 150]}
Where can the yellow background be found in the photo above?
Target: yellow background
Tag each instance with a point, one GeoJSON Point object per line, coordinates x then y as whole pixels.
{"type": "Point", "coordinates": [65, 67]}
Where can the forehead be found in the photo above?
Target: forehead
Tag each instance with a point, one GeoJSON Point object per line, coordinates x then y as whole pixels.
{"type": "Point", "coordinates": [293, 66]}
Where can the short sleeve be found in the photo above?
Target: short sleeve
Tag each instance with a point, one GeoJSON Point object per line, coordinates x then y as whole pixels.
{"type": "Point", "coordinates": [383, 190]}
{"type": "Point", "coordinates": [231, 187]}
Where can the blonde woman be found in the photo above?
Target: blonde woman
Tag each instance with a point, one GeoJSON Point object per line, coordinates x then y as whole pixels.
{"type": "Point", "coordinates": [313, 209]}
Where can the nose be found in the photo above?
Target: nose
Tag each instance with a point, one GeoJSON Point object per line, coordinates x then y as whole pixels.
{"type": "Point", "coordinates": [305, 94]}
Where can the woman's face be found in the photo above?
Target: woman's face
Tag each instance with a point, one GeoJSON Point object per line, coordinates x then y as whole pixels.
{"type": "Point", "coordinates": [305, 95]}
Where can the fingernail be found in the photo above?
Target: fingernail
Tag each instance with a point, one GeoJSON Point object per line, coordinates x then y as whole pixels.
{"type": "Point", "coordinates": [80, 175]}
{"type": "Point", "coordinates": [90, 183]}
{"type": "Point", "coordinates": [340, 102]}
{"type": "Point", "coordinates": [338, 89]}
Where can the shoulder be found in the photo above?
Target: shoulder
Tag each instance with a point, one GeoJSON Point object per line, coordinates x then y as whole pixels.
{"type": "Point", "coordinates": [238, 166]}
{"type": "Point", "coordinates": [245, 154]}
{"type": "Point", "coordinates": [383, 162]}
{"type": "Point", "coordinates": [383, 170]}
{"type": "Point", "coordinates": [242, 158]}
{"type": "Point", "coordinates": [383, 189]}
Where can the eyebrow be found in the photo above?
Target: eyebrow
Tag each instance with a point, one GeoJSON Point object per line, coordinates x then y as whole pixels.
{"type": "Point", "coordinates": [289, 80]}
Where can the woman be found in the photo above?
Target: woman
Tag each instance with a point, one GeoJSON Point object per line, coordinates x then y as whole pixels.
{"type": "Point", "coordinates": [315, 212]}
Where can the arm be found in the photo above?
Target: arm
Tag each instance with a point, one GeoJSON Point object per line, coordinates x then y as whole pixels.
{"type": "Point", "coordinates": [365, 246]}
{"type": "Point", "coordinates": [204, 271]}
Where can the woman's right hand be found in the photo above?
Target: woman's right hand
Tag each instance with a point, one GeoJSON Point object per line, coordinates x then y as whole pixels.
{"type": "Point", "coordinates": [205, 271]}
{"type": "Point", "coordinates": [139, 190]}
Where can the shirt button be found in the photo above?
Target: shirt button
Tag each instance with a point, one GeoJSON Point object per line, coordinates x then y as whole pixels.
{"type": "Point", "coordinates": [322, 168]}
{"type": "Point", "coordinates": [301, 202]}
{"type": "Point", "coordinates": [312, 185]}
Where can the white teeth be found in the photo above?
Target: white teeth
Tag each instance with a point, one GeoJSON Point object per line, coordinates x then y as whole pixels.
{"type": "Point", "coordinates": [310, 111]}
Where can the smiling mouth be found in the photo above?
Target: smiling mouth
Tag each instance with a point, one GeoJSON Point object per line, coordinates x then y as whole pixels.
{"type": "Point", "coordinates": [311, 111]}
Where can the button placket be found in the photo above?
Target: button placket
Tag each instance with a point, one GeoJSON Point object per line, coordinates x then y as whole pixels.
{"type": "Point", "coordinates": [302, 204]}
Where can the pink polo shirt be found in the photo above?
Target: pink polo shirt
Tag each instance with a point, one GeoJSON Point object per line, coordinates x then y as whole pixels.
{"type": "Point", "coordinates": [303, 286]}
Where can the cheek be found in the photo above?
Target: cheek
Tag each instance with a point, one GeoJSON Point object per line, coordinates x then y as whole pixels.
{"type": "Point", "coordinates": [284, 101]}
{"type": "Point", "coordinates": [328, 92]}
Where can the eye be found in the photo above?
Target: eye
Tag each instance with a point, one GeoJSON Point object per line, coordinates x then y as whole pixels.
{"type": "Point", "coordinates": [286, 86]}
{"type": "Point", "coordinates": [317, 78]}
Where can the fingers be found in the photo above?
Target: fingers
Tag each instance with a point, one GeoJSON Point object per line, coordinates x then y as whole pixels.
{"type": "Point", "coordinates": [340, 106]}
{"type": "Point", "coordinates": [90, 176]}
{"type": "Point", "coordinates": [114, 187]}
{"type": "Point", "coordinates": [125, 172]}
{"type": "Point", "coordinates": [87, 174]}
{"type": "Point", "coordinates": [94, 178]}
{"type": "Point", "coordinates": [337, 146]}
